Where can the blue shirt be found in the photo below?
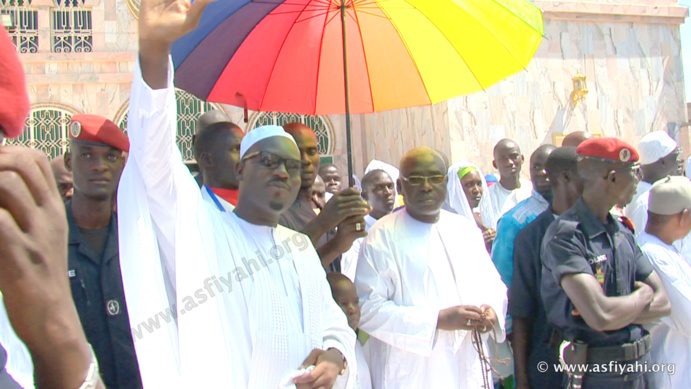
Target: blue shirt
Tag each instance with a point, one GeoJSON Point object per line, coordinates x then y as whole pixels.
{"type": "Point", "coordinates": [507, 228]}
{"type": "Point", "coordinates": [525, 301]}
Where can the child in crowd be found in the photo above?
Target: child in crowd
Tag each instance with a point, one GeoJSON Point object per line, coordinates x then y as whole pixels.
{"type": "Point", "coordinates": [343, 291]}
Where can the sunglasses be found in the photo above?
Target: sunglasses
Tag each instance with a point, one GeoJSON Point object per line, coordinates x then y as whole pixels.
{"type": "Point", "coordinates": [272, 161]}
{"type": "Point", "coordinates": [419, 180]}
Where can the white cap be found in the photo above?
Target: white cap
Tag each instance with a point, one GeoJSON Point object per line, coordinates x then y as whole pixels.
{"type": "Point", "coordinates": [655, 145]}
{"type": "Point", "coordinates": [670, 195]}
{"type": "Point", "coordinates": [261, 133]}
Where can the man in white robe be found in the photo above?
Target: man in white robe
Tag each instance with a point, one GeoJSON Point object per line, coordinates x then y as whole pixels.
{"type": "Point", "coordinates": [670, 219]}
{"type": "Point", "coordinates": [380, 192]}
{"type": "Point", "coordinates": [425, 282]}
{"type": "Point", "coordinates": [511, 188]}
{"type": "Point", "coordinates": [250, 300]}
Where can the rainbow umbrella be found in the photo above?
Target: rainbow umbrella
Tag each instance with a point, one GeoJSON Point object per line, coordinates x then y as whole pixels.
{"type": "Point", "coordinates": [321, 57]}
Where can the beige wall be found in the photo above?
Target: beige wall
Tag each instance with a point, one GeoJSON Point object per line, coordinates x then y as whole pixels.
{"type": "Point", "coordinates": [630, 54]}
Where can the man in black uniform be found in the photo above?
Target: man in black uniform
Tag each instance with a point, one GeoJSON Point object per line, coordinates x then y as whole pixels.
{"type": "Point", "coordinates": [531, 331]}
{"type": "Point", "coordinates": [96, 159]}
{"type": "Point", "coordinates": [597, 286]}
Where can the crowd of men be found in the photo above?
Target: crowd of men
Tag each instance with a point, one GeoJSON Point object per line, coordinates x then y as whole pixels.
{"type": "Point", "coordinates": [121, 269]}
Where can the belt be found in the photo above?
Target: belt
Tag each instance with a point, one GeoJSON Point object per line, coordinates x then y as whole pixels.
{"type": "Point", "coordinates": [623, 353]}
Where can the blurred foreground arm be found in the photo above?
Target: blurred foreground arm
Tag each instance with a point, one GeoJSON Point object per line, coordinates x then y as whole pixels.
{"type": "Point", "coordinates": [33, 270]}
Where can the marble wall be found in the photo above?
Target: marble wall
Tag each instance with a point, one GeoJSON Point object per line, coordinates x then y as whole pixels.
{"type": "Point", "coordinates": [630, 54]}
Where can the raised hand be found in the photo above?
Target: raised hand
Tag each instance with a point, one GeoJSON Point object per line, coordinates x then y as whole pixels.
{"type": "Point", "coordinates": [164, 21]}
{"type": "Point", "coordinates": [161, 22]}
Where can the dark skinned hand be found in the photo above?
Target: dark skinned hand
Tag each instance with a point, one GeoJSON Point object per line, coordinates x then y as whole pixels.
{"type": "Point", "coordinates": [33, 269]}
{"type": "Point", "coordinates": [341, 206]}
{"type": "Point", "coordinates": [327, 365]}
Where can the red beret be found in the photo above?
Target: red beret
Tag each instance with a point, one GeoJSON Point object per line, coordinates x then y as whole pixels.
{"type": "Point", "coordinates": [15, 101]}
{"type": "Point", "coordinates": [609, 149]}
{"type": "Point", "coordinates": [97, 129]}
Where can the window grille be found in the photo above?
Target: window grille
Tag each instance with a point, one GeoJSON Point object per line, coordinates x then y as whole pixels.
{"type": "Point", "coordinates": [23, 26]}
{"type": "Point", "coordinates": [189, 110]}
{"type": "Point", "coordinates": [46, 129]}
{"type": "Point", "coordinates": [71, 28]}
{"type": "Point", "coordinates": [321, 126]}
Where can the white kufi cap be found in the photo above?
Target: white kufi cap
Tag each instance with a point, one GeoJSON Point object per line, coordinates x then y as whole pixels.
{"type": "Point", "coordinates": [261, 133]}
{"type": "Point", "coordinates": [655, 145]}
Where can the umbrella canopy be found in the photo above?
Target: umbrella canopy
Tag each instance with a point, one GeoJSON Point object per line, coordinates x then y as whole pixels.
{"type": "Point", "coordinates": [287, 55]}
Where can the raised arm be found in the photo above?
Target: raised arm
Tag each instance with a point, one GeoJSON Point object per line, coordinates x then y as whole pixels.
{"type": "Point", "coordinates": [152, 120]}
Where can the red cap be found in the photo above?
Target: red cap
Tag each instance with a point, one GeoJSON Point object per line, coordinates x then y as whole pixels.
{"type": "Point", "coordinates": [15, 101]}
{"type": "Point", "coordinates": [97, 129]}
{"type": "Point", "coordinates": [609, 149]}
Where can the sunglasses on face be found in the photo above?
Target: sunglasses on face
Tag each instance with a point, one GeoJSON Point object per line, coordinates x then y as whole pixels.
{"type": "Point", "coordinates": [420, 180]}
{"type": "Point", "coordinates": [272, 161]}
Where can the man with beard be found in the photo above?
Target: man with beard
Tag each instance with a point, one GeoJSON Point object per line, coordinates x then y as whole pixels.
{"type": "Point", "coordinates": [597, 286]}
{"type": "Point", "coordinates": [531, 331]}
{"type": "Point", "coordinates": [427, 288]}
{"type": "Point", "coordinates": [660, 157]}
{"type": "Point", "coordinates": [511, 188]}
{"type": "Point", "coordinates": [217, 149]}
{"type": "Point", "coordinates": [379, 192]}
{"type": "Point", "coordinates": [96, 159]}
{"type": "Point", "coordinates": [251, 302]}
{"type": "Point", "coordinates": [344, 212]}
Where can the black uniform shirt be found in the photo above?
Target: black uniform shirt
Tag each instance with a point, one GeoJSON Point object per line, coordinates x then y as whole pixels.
{"type": "Point", "coordinates": [525, 300]}
{"type": "Point", "coordinates": [577, 242]}
{"type": "Point", "coordinates": [99, 297]}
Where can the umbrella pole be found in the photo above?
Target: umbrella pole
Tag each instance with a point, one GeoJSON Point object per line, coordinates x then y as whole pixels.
{"type": "Point", "coordinates": [349, 147]}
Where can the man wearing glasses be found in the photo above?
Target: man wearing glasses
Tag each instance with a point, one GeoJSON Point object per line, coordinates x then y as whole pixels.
{"type": "Point", "coordinates": [249, 301]}
{"type": "Point", "coordinates": [597, 286]}
{"type": "Point", "coordinates": [427, 287]}
{"type": "Point", "coordinates": [660, 157]}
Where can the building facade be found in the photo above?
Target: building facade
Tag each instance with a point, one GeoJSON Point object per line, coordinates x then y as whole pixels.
{"type": "Point", "coordinates": [79, 56]}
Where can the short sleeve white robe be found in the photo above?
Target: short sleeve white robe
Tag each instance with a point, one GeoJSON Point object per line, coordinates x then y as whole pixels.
{"type": "Point", "coordinates": [671, 336]}
{"type": "Point", "coordinates": [251, 301]}
{"type": "Point", "coordinates": [407, 272]}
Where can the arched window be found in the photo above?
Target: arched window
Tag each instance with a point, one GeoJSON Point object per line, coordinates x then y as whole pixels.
{"type": "Point", "coordinates": [321, 126]}
{"type": "Point", "coordinates": [71, 28]}
{"type": "Point", "coordinates": [46, 129]}
{"type": "Point", "coordinates": [189, 110]}
{"type": "Point", "coordinates": [21, 23]}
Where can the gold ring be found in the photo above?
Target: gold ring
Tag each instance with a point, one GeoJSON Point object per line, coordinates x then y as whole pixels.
{"type": "Point", "coordinates": [358, 227]}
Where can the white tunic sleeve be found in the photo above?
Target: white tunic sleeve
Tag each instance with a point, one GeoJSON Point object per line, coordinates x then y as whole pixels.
{"type": "Point", "coordinates": [410, 328]}
{"type": "Point", "coordinates": [676, 278]}
{"type": "Point", "coordinates": [152, 127]}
